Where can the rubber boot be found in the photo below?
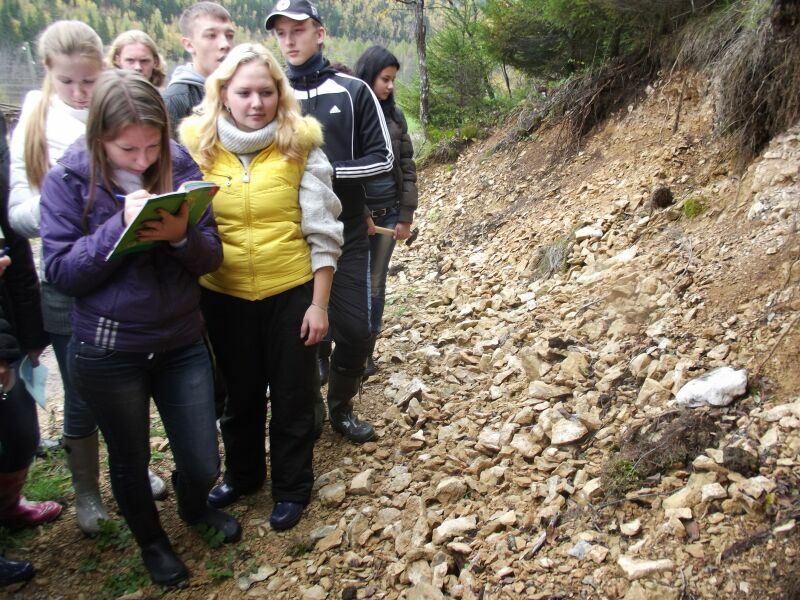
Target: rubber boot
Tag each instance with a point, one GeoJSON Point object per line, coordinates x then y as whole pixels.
{"type": "Point", "coordinates": [164, 566]}
{"type": "Point", "coordinates": [193, 509]}
{"type": "Point", "coordinates": [157, 486]}
{"type": "Point", "coordinates": [15, 511]}
{"type": "Point", "coordinates": [370, 368]}
{"type": "Point", "coordinates": [14, 571]}
{"type": "Point", "coordinates": [84, 464]}
{"type": "Point", "coordinates": [342, 388]}
{"type": "Point", "coordinates": [324, 360]}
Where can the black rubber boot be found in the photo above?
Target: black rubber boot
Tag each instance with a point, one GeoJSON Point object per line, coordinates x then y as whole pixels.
{"type": "Point", "coordinates": [324, 361]}
{"type": "Point", "coordinates": [342, 388]}
{"type": "Point", "coordinates": [14, 571]}
{"type": "Point", "coordinates": [164, 566]}
{"type": "Point", "coordinates": [193, 509]}
{"type": "Point", "coordinates": [370, 368]}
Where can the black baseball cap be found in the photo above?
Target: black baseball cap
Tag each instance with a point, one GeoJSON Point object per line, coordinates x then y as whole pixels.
{"type": "Point", "coordinates": [299, 10]}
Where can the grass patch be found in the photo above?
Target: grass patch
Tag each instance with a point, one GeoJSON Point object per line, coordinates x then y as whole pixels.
{"type": "Point", "coordinates": [694, 207]}
{"type": "Point", "coordinates": [113, 534]}
{"type": "Point", "coordinates": [213, 537]}
{"type": "Point", "coordinates": [553, 257]}
{"type": "Point", "coordinates": [664, 442]}
{"type": "Point", "coordinates": [130, 576]}
{"type": "Point", "coordinates": [14, 539]}
{"type": "Point", "coordinates": [299, 548]}
{"type": "Point", "coordinates": [48, 478]}
{"type": "Point", "coordinates": [88, 565]}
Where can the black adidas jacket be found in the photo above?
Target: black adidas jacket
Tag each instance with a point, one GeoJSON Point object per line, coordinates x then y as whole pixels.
{"type": "Point", "coordinates": [357, 141]}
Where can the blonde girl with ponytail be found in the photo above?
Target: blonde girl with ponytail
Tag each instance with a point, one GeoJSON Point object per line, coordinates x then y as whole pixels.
{"type": "Point", "coordinates": [51, 120]}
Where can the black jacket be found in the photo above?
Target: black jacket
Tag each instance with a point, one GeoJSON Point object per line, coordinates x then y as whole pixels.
{"type": "Point", "coordinates": [21, 327]}
{"type": "Point", "coordinates": [357, 140]}
{"type": "Point", "coordinates": [405, 168]}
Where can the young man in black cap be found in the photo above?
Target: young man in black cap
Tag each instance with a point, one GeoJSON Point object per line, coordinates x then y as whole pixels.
{"type": "Point", "coordinates": [358, 146]}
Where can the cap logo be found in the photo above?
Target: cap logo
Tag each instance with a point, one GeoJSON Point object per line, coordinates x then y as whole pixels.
{"type": "Point", "coordinates": [282, 5]}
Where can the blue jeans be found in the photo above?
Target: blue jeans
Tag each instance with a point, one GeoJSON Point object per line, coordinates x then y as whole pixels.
{"type": "Point", "coordinates": [118, 386]}
{"type": "Point", "coordinates": [381, 248]}
{"type": "Point", "coordinates": [79, 421]}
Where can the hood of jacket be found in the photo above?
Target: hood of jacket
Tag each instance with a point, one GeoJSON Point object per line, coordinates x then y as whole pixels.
{"type": "Point", "coordinates": [187, 74]}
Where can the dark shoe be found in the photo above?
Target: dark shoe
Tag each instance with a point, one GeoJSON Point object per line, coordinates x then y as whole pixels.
{"type": "Point", "coordinates": [164, 566]}
{"type": "Point", "coordinates": [286, 515]}
{"type": "Point", "coordinates": [351, 427]}
{"type": "Point", "coordinates": [324, 361]}
{"type": "Point", "coordinates": [223, 495]}
{"type": "Point", "coordinates": [14, 571]}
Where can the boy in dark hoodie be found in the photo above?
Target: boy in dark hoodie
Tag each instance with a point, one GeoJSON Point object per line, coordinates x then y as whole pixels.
{"type": "Point", "coordinates": [207, 35]}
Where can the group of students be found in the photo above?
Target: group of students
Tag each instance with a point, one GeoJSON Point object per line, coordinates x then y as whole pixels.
{"type": "Point", "coordinates": [238, 301]}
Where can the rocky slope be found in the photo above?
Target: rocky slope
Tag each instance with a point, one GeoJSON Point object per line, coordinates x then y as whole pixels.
{"type": "Point", "coordinates": [507, 394]}
{"type": "Point", "coordinates": [530, 441]}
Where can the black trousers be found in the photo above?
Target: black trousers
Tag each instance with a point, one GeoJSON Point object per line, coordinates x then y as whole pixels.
{"type": "Point", "coordinates": [19, 429]}
{"type": "Point", "coordinates": [257, 344]}
{"type": "Point", "coordinates": [349, 307]}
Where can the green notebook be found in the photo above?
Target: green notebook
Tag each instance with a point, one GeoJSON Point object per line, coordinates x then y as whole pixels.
{"type": "Point", "coordinates": [197, 194]}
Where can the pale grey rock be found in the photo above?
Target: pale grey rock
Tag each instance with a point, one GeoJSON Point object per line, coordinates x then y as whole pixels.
{"type": "Point", "coordinates": [567, 431]}
{"type": "Point", "coordinates": [452, 528]}
{"type": "Point", "coordinates": [636, 569]}
{"type": "Point", "coordinates": [718, 387]}
{"type": "Point", "coordinates": [450, 490]}
{"type": "Point", "coordinates": [362, 484]}
{"type": "Point", "coordinates": [546, 391]}
{"type": "Point", "coordinates": [333, 494]}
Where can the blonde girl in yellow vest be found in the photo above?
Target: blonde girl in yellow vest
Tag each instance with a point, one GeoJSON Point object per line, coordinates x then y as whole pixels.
{"type": "Point", "coordinates": [266, 306]}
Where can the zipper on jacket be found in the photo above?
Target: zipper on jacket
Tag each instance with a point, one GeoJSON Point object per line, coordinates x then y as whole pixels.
{"type": "Point", "coordinates": [246, 176]}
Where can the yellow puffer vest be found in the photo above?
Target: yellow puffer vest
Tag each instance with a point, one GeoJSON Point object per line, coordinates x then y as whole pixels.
{"type": "Point", "coordinates": [258, 216]}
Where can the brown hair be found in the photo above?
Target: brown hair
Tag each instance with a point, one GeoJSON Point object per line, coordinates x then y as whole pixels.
{"type": "Point", "coordinates": [135, 36]}
{"type": "Point", "coordinates": [211, 9]}
{"type": "Point", "coordinates": [120, 99]}
{"type": "Point", "coordinates": [64, 38]}
{"type": "Point", "coordinates": [206, 114]}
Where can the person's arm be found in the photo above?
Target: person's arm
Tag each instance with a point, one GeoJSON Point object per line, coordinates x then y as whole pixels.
{"type": "Point", "coordinates": [315, 321]}
{"type": "Point", "coordinates": [23, 203]}
{"type": "Point", "coordinates": [319, 209]}
{"type": "Point", "coordinates": [201, 251]}
{"type": "Point", "coordinates": [372, 138]}
{"type": "Point", "coordinates": [75, 262]}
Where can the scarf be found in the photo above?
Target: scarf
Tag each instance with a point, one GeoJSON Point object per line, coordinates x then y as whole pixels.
{"type": "Point", "coordinates": [241, 142]}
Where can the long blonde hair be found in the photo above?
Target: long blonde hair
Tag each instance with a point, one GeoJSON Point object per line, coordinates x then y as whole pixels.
{"type": "Point", "coordinates": [204, 119]}
{"type": "Point", "coordinates": [64, 38]}
{"type": "Point", "coordinates": [120, 99]}
{"type": "Point", "coordinates": [136, 36]}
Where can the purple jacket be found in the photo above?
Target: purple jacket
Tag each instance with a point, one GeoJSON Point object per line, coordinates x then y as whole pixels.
{"type": "Point", "coordinates": [145, 302]}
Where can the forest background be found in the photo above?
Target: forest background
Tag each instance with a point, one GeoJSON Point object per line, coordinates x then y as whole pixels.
{"type": "Point", "coordinates": [478, 61]}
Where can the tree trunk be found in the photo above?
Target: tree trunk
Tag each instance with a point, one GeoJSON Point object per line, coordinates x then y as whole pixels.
{"type": "Point", "coordinates": [419, 22]}
{"type": "Point", "coordinates": [505, 77]}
